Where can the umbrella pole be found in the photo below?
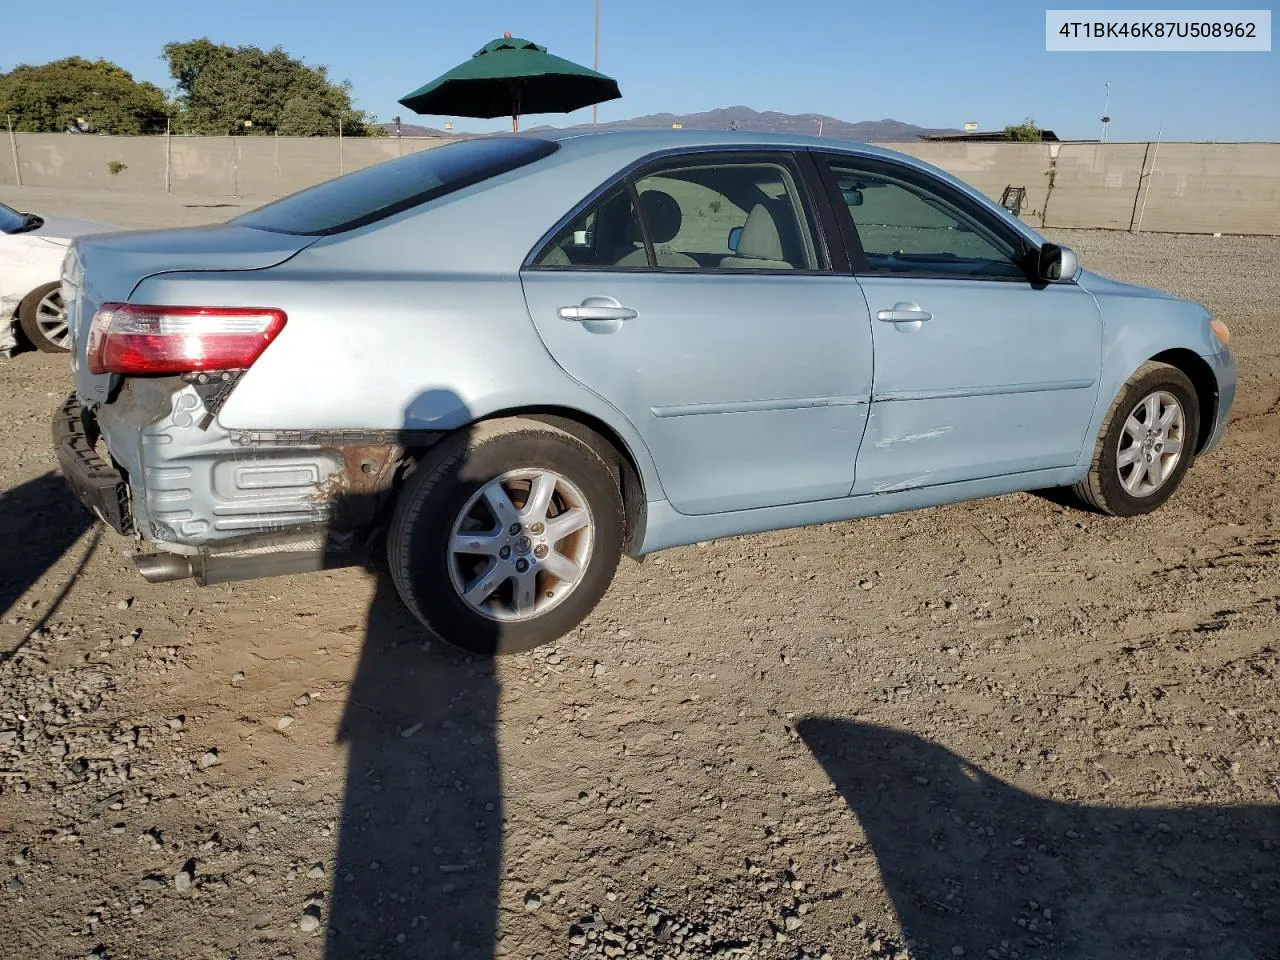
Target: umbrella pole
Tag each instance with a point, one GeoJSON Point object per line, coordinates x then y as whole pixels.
{"type": "Point", "coordinates": [515, 107]}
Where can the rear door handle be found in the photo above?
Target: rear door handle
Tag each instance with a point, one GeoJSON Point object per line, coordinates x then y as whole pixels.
{"type": "Point", "coordinates": [597, 311]}
{"type": "Point", "coordinates": [904, 312]}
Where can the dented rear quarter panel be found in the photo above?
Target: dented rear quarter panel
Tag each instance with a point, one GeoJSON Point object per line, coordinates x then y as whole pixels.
{"type": "Point", "coordinates": [406, 351]}
{"type": "Point", "coordinates": [415, 322]}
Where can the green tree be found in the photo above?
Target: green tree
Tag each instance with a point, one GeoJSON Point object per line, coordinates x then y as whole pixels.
{"type": "Point", "coordinates": [1024, 132]}
{"type": "Point", "coordinates": [53, 96]}
{"type": "Point", "coordinates": [221, 87]}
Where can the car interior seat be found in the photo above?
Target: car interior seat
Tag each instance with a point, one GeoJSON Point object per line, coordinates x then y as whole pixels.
{"type": "Point", "coordinates": [760, 245]}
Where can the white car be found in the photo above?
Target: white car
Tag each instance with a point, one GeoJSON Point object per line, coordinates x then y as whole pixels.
{"type": "Point", "coordinates": [31, 252]}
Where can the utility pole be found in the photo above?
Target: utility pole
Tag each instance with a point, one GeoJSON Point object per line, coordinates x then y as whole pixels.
{"type": "Point", "coordinates": [1106, 119]}
{"type": "Point", "coordinates": [13, 145]}
{"type": "Point", "coordinates": [595, 63]}
{"type": "Point", "coordinates": [1150, 174]}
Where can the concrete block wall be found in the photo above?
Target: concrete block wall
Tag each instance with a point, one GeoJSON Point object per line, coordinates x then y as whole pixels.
{"type": "Point", "coordinates": [1186, 187]}
{"type": "Point", "coordinates": [990, 167]}
{"type": "Point", "coordinates": [200, 166]}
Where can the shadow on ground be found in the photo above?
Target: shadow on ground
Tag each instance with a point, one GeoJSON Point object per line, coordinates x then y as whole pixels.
{"type": "Point", "coordinates": [39, 521]}
{"type": "Point", "coordinates": [974, 863]}
{"type": "Point", "coordinates": [421, 833]}
{"type": "Point", "coordinates": [420, 840]}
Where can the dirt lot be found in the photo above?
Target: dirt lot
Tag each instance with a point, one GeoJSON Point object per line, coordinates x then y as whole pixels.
{"type": "Point", "coordinates": [1000, 729]}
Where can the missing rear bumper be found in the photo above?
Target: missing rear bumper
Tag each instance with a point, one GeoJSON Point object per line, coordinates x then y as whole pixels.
{"type": "Point", "coordinates": [95, 482]}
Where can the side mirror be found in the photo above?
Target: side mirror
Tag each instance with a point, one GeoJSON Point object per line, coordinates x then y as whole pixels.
{"type": "Point", "coordinates": [1056, 263]}
{"type": "Point", "coordinates": [734, 236]}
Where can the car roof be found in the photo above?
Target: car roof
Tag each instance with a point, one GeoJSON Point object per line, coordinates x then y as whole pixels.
{"type": "Point", "coordinates": [587, 141]}
{"type": "Point", "coordinates": [582, 143]}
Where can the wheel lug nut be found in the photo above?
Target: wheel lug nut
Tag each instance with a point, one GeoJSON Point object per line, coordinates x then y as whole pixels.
{"type": "Point", "coordinates": [514, 529]}
{"type": "Point", "coordinates": [537, 529]}
{"type": "Point", "coordinates": [504, 552]}
{"type": "Point", "coordinates": [522, 565]}
{"type": "Point", "coordinates": [540, 551]}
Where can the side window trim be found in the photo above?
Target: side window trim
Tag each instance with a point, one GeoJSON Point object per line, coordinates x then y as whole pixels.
{"type": "Point", "coordinates": [834, 245]}
{"type": "Point", "coordinates": [879, 165]}
{"type": "Point", "coordinates": [844, 229]}
{"type": "Point", "coordinates": [792, 158]}
{"type": "Point", "coordinates": [633, 194]}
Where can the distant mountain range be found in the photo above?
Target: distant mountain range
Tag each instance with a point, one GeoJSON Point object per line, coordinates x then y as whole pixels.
{"type": "Point", "coordinates": [752, 121]}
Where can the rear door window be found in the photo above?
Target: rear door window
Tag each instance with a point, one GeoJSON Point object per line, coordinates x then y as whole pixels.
{"type": "Point", "coordinates": [389, 188]}
{"type": "Point", "coordinates": [594, 236]}
{"type": "Point", "coordinates": [698, 213]}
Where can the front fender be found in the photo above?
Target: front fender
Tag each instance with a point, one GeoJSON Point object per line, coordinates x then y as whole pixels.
{"type": "Point", "coordinates": [1139, 324]}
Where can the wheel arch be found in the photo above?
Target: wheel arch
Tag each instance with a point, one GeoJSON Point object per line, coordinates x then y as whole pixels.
{"type": "Point", "coordinates": [600, 437]}
{"type": "Point", "coordinates": [611, 448]}
{"type": "Point", "coordinates": [1202, 378]}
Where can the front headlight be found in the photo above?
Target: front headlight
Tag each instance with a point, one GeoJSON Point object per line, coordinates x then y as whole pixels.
{"type": "Point", "coordinates": [1219, 330]}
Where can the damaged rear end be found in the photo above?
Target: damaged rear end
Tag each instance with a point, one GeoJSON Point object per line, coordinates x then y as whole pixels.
{"type": "Point", "coordinates": [140, 441]}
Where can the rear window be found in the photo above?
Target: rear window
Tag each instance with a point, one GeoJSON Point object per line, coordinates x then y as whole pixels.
{"type": "Point", "coordinates": [388, 188]}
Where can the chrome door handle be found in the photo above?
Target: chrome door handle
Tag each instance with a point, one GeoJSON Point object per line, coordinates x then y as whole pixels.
{"type": "Point", "coordinates": [904, 312]}
{"type": "Point", "coordinates": [591, 311]}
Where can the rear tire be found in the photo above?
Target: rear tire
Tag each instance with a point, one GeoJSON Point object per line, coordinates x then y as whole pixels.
{"type": "Point", "coordinates": [1146, 444]}
{"type": "Point", "coordinates": [43, 318]}
{"type": "Point", "coordinates": [506, 536]}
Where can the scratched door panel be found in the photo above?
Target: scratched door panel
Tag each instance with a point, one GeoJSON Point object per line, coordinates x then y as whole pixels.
{"type": "Point", "coordinates": [1001, 378]}
{"type": "Point", "coordinates": [750, 390]}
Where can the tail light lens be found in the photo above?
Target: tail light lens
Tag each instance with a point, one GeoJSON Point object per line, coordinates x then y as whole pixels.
{"type": "Point", "coordinates": [139, 340]}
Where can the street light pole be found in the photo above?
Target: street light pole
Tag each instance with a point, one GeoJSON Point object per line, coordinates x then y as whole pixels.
{"type": "Point", "coordinates": [1106, 119]}
{"type": "Point", "coordinates": [595, 63]}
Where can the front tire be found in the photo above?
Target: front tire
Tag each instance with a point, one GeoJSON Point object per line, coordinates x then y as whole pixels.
{"type": "Point", "coordinates": [506, 536]}
{"type": "Point", "coordinates": [43, 318]}
{"type": "Point", "coordinates": [1146, 445]}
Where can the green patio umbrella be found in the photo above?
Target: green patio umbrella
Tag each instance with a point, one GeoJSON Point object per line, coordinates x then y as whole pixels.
{"type": "Point", "coordinates": [509, 77]}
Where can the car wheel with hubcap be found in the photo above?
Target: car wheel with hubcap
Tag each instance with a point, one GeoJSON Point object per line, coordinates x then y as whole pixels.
{"type": "Point", "coordinates": [43, 318]}
{"type": "Point", "coordinates": [506, 536]}
{"type": "Point", "coordinates": [1146, 444]}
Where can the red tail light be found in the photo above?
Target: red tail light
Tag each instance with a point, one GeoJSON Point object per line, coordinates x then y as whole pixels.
{"type": "Point", "coordinates": [138, 340]}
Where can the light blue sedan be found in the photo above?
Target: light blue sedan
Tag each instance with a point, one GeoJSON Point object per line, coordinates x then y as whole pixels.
{"type": "Point", "coordinates": [512, 359]}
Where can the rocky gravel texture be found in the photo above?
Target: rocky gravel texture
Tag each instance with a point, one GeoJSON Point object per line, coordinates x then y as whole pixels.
{"type": "Point", "coordinates": [1003, 729]}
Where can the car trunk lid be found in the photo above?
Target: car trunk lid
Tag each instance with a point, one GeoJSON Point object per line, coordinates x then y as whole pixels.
{"type": "Point", "coordinates": [109, 267]}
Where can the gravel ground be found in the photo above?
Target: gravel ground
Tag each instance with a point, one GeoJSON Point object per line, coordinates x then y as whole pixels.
{"type": "Point", "coordinates": [1001, 729]}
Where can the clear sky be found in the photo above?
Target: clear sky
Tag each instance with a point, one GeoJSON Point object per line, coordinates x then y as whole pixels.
{"type": "Point", "coordinates": [929, 62]}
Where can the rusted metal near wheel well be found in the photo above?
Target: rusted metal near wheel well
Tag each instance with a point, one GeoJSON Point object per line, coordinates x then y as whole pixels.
{"type": "Point", "coordinates": [1201, 376]}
